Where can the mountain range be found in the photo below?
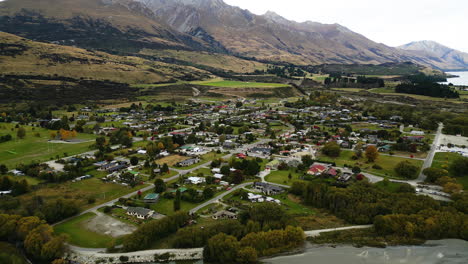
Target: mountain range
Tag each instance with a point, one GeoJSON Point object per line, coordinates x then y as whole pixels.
{"type": "Point", "coordinates": [204, 26]}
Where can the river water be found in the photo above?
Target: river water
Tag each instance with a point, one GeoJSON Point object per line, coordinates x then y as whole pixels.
{"type": "Point", "coordinates": [462, 80]}
{"type": "Point", "coordinates": [448, 251]}
{"type": "Point", "coordinates": [452, 251]}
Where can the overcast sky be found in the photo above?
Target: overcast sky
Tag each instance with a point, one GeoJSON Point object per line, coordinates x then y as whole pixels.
{"type": "Point", "coordinates": [392, 22]}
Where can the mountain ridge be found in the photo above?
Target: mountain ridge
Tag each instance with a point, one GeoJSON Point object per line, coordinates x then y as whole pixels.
{"type": "Point", "coordinates": [456, 59]}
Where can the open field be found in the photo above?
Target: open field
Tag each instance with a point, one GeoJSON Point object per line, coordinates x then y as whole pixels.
{"type": "Point", "coordinates": [171, 160]}
{"type": "Point", "coordinates": [442, 160]}
{"type": "Point", "coordinates": [237, 84]}
{"type": "Point", "coordinates": [83, 190]}
{"type": "Point", "coordinates": [281, 177]}
{"type": "Point", "coordinates": [387, 163]}
{"type": "Point", "coordinates": [82, 236]}
{"type": "Point", "coordinates": [35, 146]}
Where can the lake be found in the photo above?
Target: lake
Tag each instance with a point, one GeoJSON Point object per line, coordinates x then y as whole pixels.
{"type": "Point", "coordinates": [462, 80]}
{"type": "Point", "coordinates": [450, 251]}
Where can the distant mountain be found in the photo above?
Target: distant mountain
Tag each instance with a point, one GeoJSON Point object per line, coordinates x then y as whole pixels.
{"type": "Point", "coordinates": [207, 26]}
{"type": "Point", "coordinates": [442, 56]}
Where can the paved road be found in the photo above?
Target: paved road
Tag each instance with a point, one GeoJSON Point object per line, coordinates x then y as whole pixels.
{"type": "Point", "coordinates": [180, 172]}
{"type": "Point", "coordinates": [315, 233]}
{"type": "Point", "coordinates": [430, 156]}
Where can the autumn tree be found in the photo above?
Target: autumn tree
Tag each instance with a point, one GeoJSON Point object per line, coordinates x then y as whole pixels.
{"type": "Point", "coordinates": [221, 249]}
{"type": "Point", "coordinates": [433, 174]}
{"type": "Point", "coordinates": [372, 153]}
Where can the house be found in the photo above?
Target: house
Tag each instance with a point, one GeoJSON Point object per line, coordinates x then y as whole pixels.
{"type": "Point", "coordinates": [417, 133]}
{"type": "Point", "coordinates": [188, 162]}
{"type": "Point", "coordinates": [332, 172]}
{"type": "Point", "coordinates": [195, 180]}
{"type": "Point", "coordinates": [140, 212]}
{"type": "Point", "coordinates": [386, 148]}
{"type": "Point", "coordinates": [317, 169]}
{"type": "Point", "coordinates": [268, 189]}
{"type": "Point", "coordinates": [151, 198]}
{"type": "Point", "coordinates": [241, 156]}
{"type": "Point", "coordinates": [257, 198]}
{"type": "Point", "coordinates": [345, 177]}
{"type": "Point", "coordinates": [224, 215]}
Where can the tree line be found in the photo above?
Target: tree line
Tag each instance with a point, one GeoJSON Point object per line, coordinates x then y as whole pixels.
{"type": "Point", "coordinates": [406, 214]}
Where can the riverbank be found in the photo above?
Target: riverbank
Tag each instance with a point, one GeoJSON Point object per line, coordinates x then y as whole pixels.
{"type": "Point", "coordinates": [450, 251]}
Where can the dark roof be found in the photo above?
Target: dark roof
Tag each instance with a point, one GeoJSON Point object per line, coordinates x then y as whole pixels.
{"type": "Point", "coordinates": [139, 210]}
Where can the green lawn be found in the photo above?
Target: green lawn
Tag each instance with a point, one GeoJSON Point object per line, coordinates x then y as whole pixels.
{"type": "Point", "coordinates": [389, 186]}
{"type": "Point", "coordinates": [80, 236]}
{"type": "Point", "coordinates": [36, 148]}
{"type": "Point", "coordinates": [166, 206]}
{"type": "Point", "coordinates": [387, 163]}
{"type": "Point", "coordinates": [281, 177]}
{"type": "Point", "coordinates": [237, 84]}
{"type": "Point", "coordinates": [293, 207]}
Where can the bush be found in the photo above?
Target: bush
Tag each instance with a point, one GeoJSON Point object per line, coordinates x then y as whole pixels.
{"type": "Point", "coordinates": [123, 258]}
{"type": "Point", "coordinates": [377, 167]}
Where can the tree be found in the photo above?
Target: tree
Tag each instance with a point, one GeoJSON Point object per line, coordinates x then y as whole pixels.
{"type": "Point", "coordinates": [372, 153]}
{"type": "Point", "coordinates": [356, 169]}
{"type": "Point", "coordinates": [208, 193]}
{"type": "Point", "coordinates": [247, 255]}
{"type": "Point", "coordinates": [307, 160]}
{"type": "Point", "coordinates": [331, 149]}
{"type": "Point", "coordinates": [134, 160]}
{"type": "Point", "coordinates": [433, 174]}
{"type": "Point", "coordinates": [21, 133]}
{"type": "Point", "coordinates": [53, 249]}
{"type": "Point", "coordinates": [164, 168]}
{"type": "Point", "coordinates": [37, 238]}
{"type": "Point", "coordinates": [459, 167]}
{"type": "Point", "coordinates": [159, 186]}
{"type": "Point", "coordinates": [221, 249]}
{"type": "Point", "coordinates": [406, 170]}
{"type": "Point", "coordinates": [452, 187]}
{"type": "Point", "coordinates": [177, 201]}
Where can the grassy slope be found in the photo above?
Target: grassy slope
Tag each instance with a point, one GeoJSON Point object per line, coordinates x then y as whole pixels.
{"type": "Point", "coordinates": [77, 63]}
{"type": "Point", "coordinates": [214, 60]}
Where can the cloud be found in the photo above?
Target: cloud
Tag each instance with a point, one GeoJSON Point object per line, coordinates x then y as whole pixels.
{"type": "Point", "coordinates": [393, 22]}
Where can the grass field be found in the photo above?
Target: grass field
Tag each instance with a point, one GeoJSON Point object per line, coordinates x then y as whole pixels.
{"type": "Point", "coordinates": [171, 160]}
{"type": "Point", "coordinates": [82, 237]}
{"type": "Point", "coordinates": [387, 163]}
{"type": "Point", "coordinates": [281, 177]}
{"type": "Point", "coordinates": [237, 84]}
{"type": "Point", "coordinates": [442, 160]}
{"type": "Point", "coordinates": [35, 146]}
{"type": "Point", "coordinates": [83, 190]}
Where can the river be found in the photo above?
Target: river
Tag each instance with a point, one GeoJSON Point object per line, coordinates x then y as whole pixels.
{"type": "Point", "coordinates": [450, 251]}
{"type": "Point", "coordinates": [462, 80]}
